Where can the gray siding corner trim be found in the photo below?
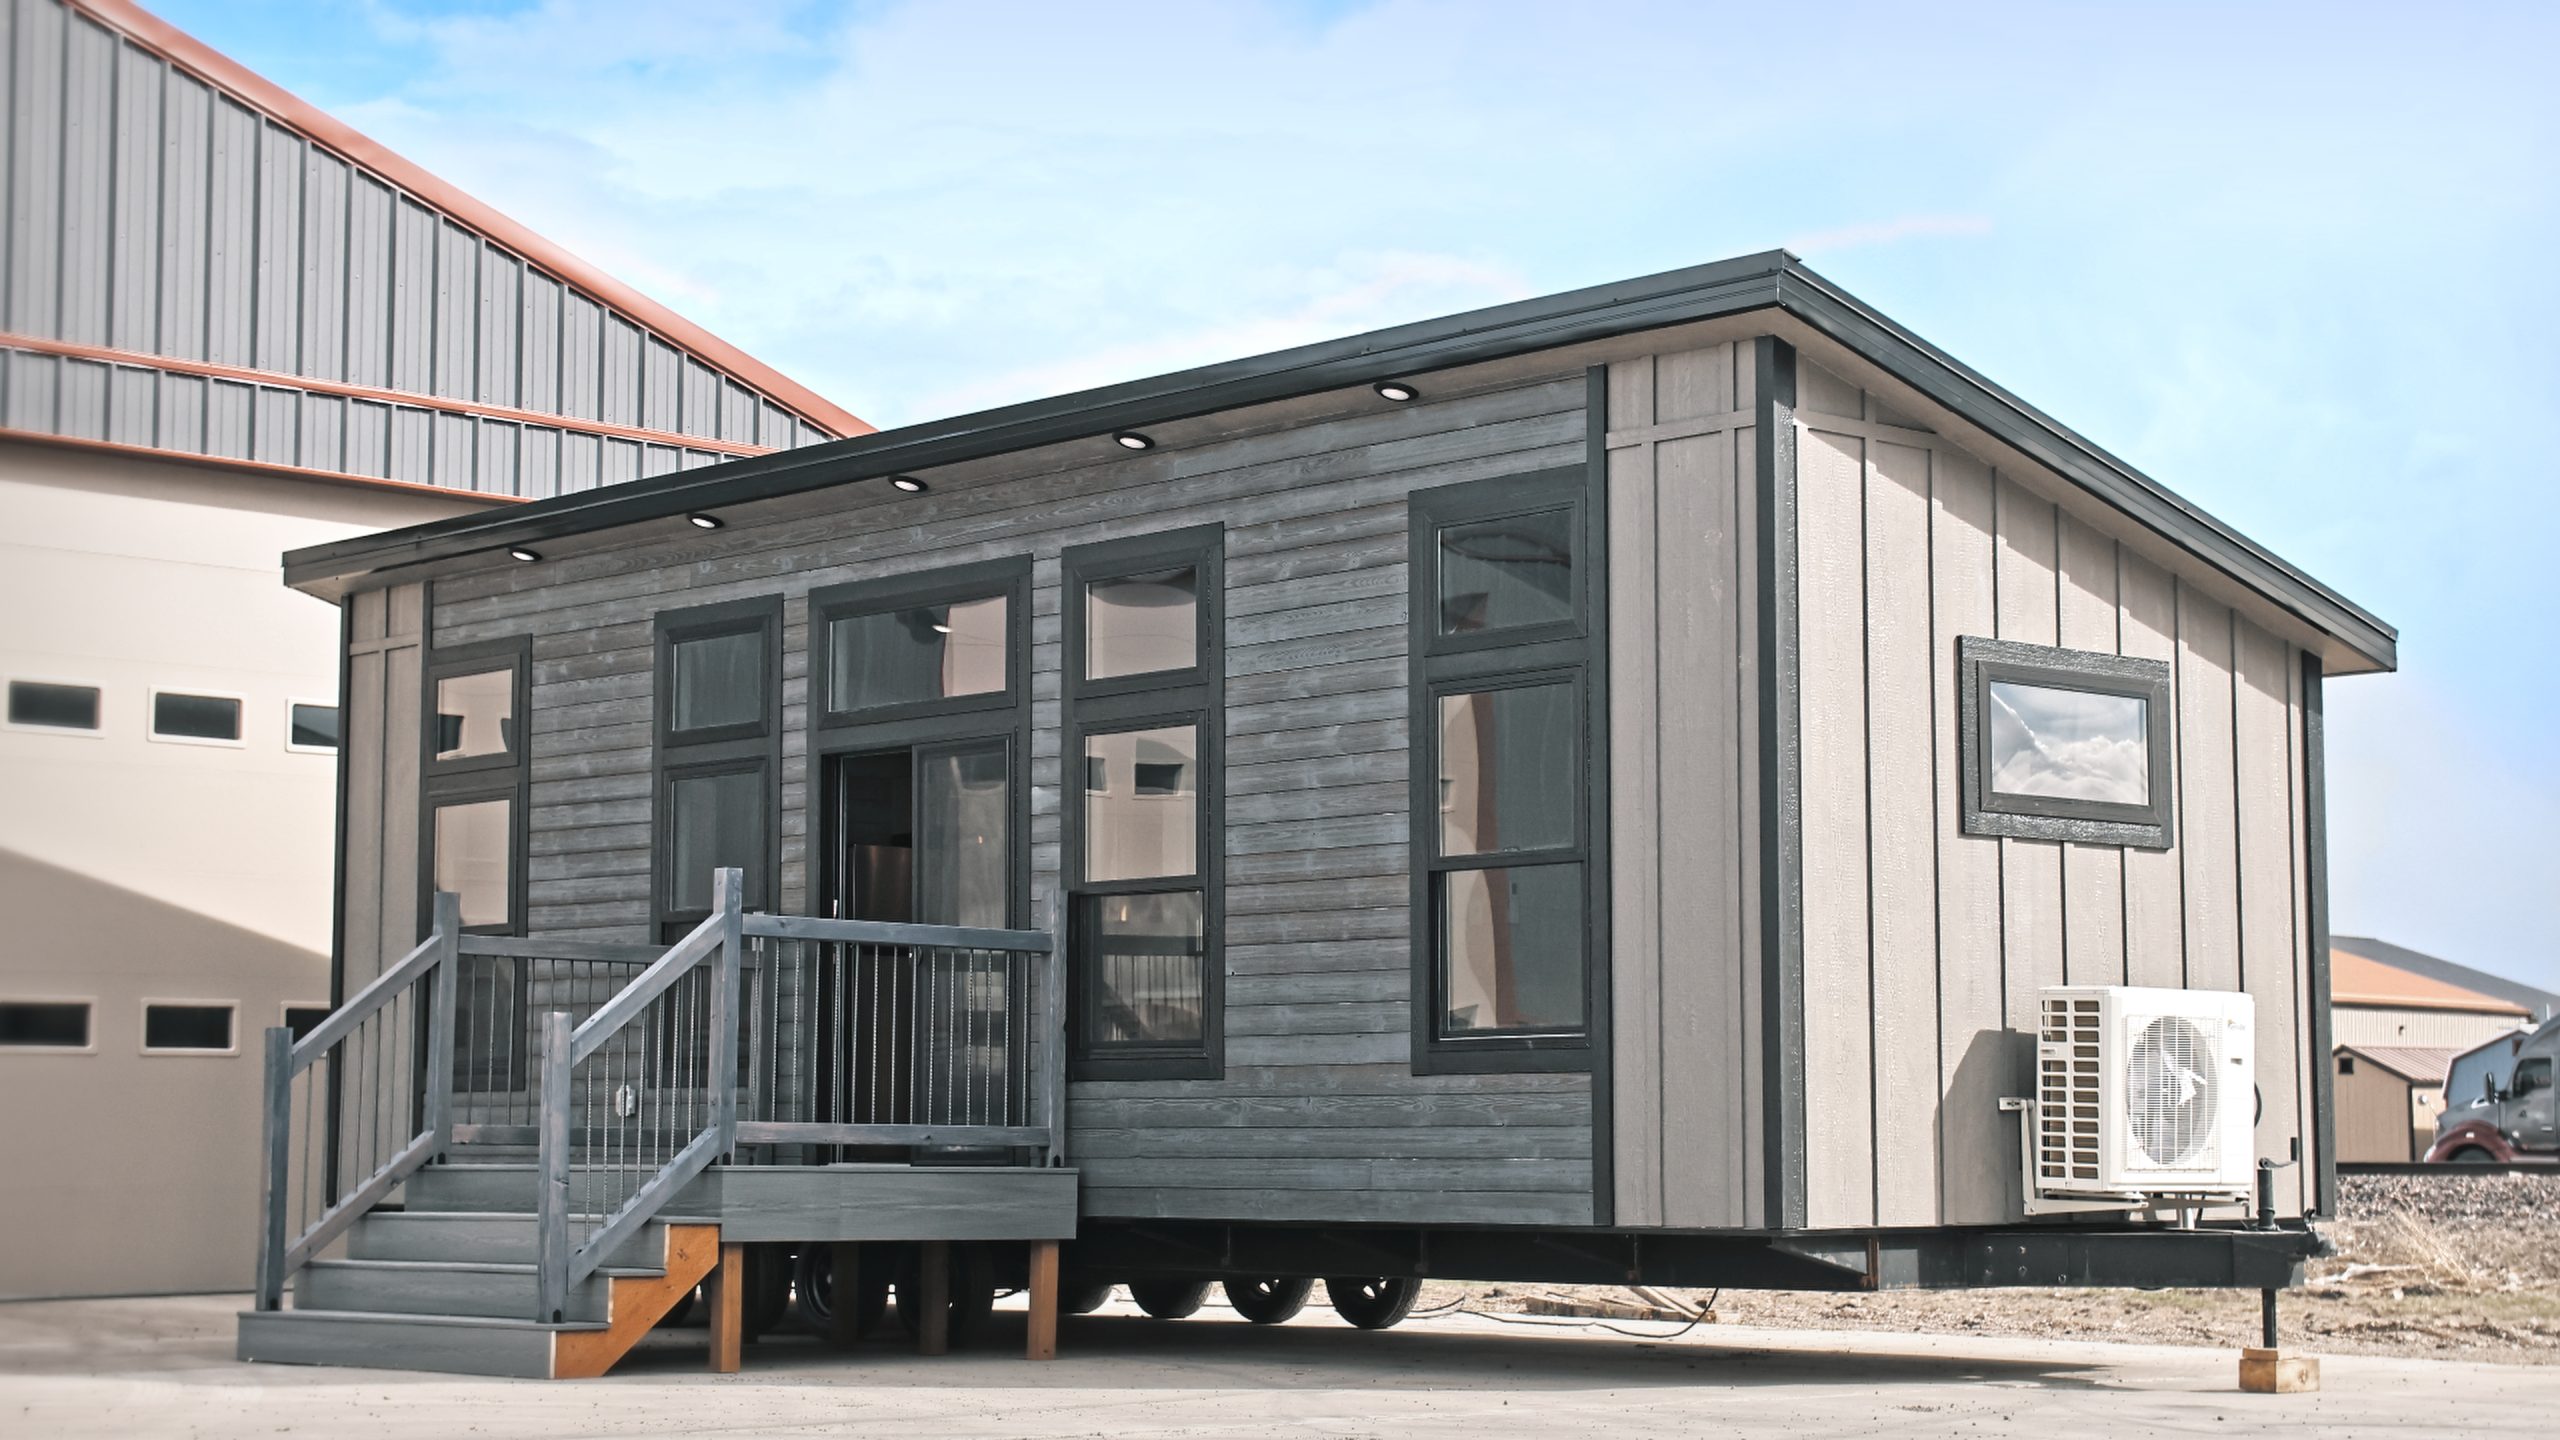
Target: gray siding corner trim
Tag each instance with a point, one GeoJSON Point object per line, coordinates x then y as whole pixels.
{"type": "Point", "coordinates": [2315, 884]}
{"type": "Point", "coordinates": [1781, 819]}
{"type": "Point", "coordinates": [1604, 1184]}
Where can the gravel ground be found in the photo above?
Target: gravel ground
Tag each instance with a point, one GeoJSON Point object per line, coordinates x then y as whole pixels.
{"type": "Point", "coordinates": [2428, 1266]}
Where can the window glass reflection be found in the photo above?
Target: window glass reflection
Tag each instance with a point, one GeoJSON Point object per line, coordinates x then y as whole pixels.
{"type": "Point", "coordinates": [1511, 949]}
{"type": "Point", "coordinates": [717, 823]}
{"type": "Point", "coordinates": [1141, 624]}
{"type": "Point", "coordinates": [1508, 762]}
{"type": "Point", "coordinates": [2069, 744]}
{"type": "Point", "coordinates": [923, 652]}
{"type": "Point", "coordinates": [475, 714]}
{"type": "Point", "coordinates": [1146, 955]}
{"type": "Point", "coordinates": [963, 818]}
{"type": "Point", "coordinates": [719, 680]}
{"type": "Point", "coordinates": [1142, 803]}
{"type": "Point", "coordinates": [474, 857]}
{"type": "Point", "coordinates": [1506, 573]}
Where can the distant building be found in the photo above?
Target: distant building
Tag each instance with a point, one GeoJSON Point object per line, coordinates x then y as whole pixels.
{"type": "Point", "coordinates": [2385, 994]}
{"type": "Point", "coordinates": [229, 327]}
{"type": "Point", "coordinates": [2388, 1097]}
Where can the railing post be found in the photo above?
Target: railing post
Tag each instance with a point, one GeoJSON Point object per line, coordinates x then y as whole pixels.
{"type": "Point", "coordinates": [728, 899]}
{"type": "Point", "coordinates": [1053, 1027]}
{"type": "Point", "coordinates": [551, 1191]}
{"type": "Point", "coordinates": [275, 1177]}
{"type": "Point", "coordinates": [448, 980]}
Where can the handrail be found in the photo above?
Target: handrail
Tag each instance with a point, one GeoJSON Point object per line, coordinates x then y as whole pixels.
{"type": "Point", "coordinates": [561, 1260]}
{"type": "Point", "coordinates": [883, 932]}
{"type": "Point", "coordinates": [389, 1087]}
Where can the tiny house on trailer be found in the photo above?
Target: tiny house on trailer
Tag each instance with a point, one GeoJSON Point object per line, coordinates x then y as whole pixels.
{"type": "Point", "coordinates": [1678, 782]}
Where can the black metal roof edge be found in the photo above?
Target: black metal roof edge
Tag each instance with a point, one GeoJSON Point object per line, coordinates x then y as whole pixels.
{"type": "Point", "coordinates": [1770, 279]}
{"type": "Point", "coordinates": [1674, 297]}
{"type": "Point", "coordinates": [1957, 386]}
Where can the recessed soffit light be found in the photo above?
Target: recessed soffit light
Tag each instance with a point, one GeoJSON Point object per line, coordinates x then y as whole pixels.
{"type": "Point", "coordinates": [527, 556]}
{"type": "Point", "coordinates": [1132, 440]}
{"type": "Point", "coordinates": [1396, 390]}
{"type": "Point", "coordinates": [703, 522]}
{"type": "Point", "coordinates": [908, 483]}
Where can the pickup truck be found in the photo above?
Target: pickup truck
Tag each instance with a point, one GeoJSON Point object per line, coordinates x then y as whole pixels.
{"type": "Point", "coordinates": [2510, 1114]}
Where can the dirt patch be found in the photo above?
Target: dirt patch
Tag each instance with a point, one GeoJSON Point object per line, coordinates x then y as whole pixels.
{"type": "Point", "coordinates": [2450, 1266]}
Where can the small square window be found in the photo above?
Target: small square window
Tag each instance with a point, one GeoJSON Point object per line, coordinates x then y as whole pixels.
{"type": "Point", "coordinates": [476, 714]}
{"type": "Point", "coordinates": [474, 858]}
{"type": "Point", "coordinates": [1506, 574]}
{"type": "Point", "coordinates": [718, 681]}
{"type": "Point", "coordinates": [303, 1019]}
{"type": "Point", "coordinates": [1509, 777]}
{"type": "Point", "coordinates": [716, 821]}
{"type": "Point", "coordinates": [1151, 828]}
{"type": "Point", "coordinates": [44, 1024]}
{"type": "Point", "coordinates": [313, 727]}
{"type": "Point", "coordinates": [210, 719]}
{"type": "Point", "coordinates": [1511, 950]}
{"type": "Point", "coordinates": [1142, 624]}
{"type": "Point", "coordinates": [187, 1027]}
{"type": "Point", "coordinates": [43, 704]}
{"type": "Point", "coordinates": [2064, 744]}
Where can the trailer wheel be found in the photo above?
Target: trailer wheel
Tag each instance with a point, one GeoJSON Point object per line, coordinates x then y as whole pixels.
{"type": "Point", "coordinates": [1169, 1299]}
{"type": "Point", "coordinates": [2470, 1155]}
{"type": "Point", "coordinates": [1269, 1302]}
{"type": "Point", "coordinates": [815, 1283]}
{"type": "Point", "coordinates": [768, 1289]}
{"type": "Point", "coordinates": [1371, 1304]}
{"type": "Point", "coordinates": [973, 1295]}
{"type": "Point", "coordinates": [1083, 1297]}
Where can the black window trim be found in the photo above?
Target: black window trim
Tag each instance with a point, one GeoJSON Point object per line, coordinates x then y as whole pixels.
{"type": "Point", "coordinates": [1193, 696]}
{"type": "Point", "coordinates": [1009, 577]}
{"type": "Point", "coordinates": [1982, 661]}
{"type": "Point", "coordinates": [507, 775]}
{"type": "Point", "coordinates": [1493, 660]}
{"type": "Point", "coordinates": [751, 746]}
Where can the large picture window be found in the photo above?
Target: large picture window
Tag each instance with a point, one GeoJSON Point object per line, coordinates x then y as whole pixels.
{"type": "Point", "coordinates": [1143, 692]}
{"type": "Point", "coordinates": [1503, 715]}
{"type": "Point", "coordinates": [719, 709]}
{"type": "Point", "coordinates": [2065, 744]}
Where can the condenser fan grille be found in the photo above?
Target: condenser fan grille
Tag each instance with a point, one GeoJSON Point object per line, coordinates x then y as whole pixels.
{"type": "Point", "coordinates": [2170, 1091]}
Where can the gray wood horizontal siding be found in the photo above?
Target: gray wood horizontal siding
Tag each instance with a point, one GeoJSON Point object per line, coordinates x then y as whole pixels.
{"type": "Point", "coordinates": [1315, 825]}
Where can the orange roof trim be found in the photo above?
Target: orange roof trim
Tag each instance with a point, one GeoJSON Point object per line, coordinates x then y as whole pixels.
{"type": "Point", "coordinates": [212, 66]}
{"type": "Point", "coordinates": [2355, 980]}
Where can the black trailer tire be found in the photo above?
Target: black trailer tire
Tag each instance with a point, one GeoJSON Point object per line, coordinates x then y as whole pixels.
{"type": "Point", "coordinates": [768, 1289]}
{"type": "Point", "coordinates": [973, 1295]}
{"type": "Point", "coordinates": [1169, 1299]}
{"type": "Point", "coordinates": [1269, 1302]}
{"type": "Point", "coordinates": [2471, 1155]}
{"type": "Point", "coordinates": [1083, 1297]}
{"type": "Point", "coordinates": [1371, 1304]}
{"type": "Point", "coordinates": [814, 1282]}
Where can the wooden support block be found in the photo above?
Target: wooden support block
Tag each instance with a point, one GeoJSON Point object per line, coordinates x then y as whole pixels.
{"type": "Point", "coordinates": [728, 1309]}
{"type": "Point", "coordinates": [933, 1291]}
{"type": "Point", "coordinates": [1043, 1344]}
{"type": "Point", "coordinates": [2273, 1372]}
{"type": "Point", "coordinates": [844, 1281]}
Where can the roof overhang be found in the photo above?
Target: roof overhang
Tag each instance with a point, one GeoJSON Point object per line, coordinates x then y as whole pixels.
{"type": "Point", "coordinates": [1774, 281]}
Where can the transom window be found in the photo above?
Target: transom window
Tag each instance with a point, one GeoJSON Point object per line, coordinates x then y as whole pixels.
{"type": "Point", "coordinates": [2064, 744]}
{"type": "Point", "coordinates": [1143, 685]}
{"type": "Point", "coordinates": [1504, 907]}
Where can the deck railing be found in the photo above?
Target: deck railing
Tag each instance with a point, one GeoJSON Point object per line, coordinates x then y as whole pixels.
{"type": "Point", "coordinates": [630, 1069]}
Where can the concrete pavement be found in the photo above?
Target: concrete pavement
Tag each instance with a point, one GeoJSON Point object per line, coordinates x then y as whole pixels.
{"type": "Point", "coordinates": [163, 1367]}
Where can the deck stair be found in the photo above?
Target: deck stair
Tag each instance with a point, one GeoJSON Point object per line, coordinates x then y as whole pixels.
{"type": "Point", "coordinates": [449, 1283]}
{"type": "Point", "coordinates": [513, 1156]}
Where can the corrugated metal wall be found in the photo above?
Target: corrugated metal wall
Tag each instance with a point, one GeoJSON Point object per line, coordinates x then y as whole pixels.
{"type": "Point", "coordinates": [147, 215]}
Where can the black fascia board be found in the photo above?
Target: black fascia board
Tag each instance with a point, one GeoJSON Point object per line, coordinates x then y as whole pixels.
{"type": "Point", "coordinates": [1702, 292]}
{"type": "Point", "coordinates": [1770, 280]}
{"type": "Point", "coordinates": [1956, 386]}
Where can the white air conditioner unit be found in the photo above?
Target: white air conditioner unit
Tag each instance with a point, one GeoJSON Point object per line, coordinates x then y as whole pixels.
{"type": "Point", "coordinates": [2143, 1094]}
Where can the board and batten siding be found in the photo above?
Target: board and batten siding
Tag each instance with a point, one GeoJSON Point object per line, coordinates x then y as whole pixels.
{"type": "Point", "coordinates": [1319, 1116]}
{"type": "Point", "coordinates": [149, 216]}
{"type": "Point", "coordinates": [1923, 947]}
{"type": "Point", "coordinates": [379, 759]}
{"type": "Point", "coordinates": [1685, 1032]}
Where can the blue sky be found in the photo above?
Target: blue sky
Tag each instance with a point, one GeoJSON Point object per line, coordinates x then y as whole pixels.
{"type": "Point", "coordinates": [2293, 261]}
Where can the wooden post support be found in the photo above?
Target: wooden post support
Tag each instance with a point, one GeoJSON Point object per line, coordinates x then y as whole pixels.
{"type": "Point", "coordinates": [728, 1308]}
{"type": "Point", "coordinates": [933, 1291]}
{"type": "Point", "coordinates": [2272, 1372]}
{"type": "Point", "coordinates": [844, 1263]}
{"type": "Point", "coordinates": [1043, 1344]}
